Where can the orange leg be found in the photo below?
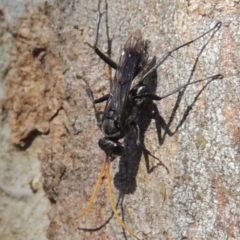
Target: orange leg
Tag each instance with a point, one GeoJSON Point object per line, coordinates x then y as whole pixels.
{"type": "Point", "coordinates": [98, 183]}
{"type": "Point", "coordinates": [113, 202]}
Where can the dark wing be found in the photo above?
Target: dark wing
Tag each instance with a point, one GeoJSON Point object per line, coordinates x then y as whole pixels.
{"type": "Point", "coordinates": [132, 57]}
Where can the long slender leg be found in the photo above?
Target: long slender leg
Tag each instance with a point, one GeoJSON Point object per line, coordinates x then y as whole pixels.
{"type": "Point", "coordinates": [105, 58]}
{"type": "Point", "coordinates": [98, 183]}
{"type": "Point", "coordinates": [102, 99]}
{"type": "Point", "coordinates": [158, 98]}
{"type": "Point", "coordinates": [113, 202]}
{"type": "Point", "coordinates": [90, 95]}
{"type": "Point", "coordinates": [168, 54]}
{"type": "Point", "coordinates": [147, 152]}
{"type": "Point", "coordinates": [164, 58]}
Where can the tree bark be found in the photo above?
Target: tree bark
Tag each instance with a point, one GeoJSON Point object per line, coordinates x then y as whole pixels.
{"type": "Point", "coordinates": [195, 134]}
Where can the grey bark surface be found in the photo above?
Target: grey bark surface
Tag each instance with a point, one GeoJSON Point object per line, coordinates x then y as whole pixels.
{"type": "Point", "coordinates": [48, 107]}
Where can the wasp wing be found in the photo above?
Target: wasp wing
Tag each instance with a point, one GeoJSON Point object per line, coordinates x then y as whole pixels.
{"type": "Point", "coordinates": [132, 57]}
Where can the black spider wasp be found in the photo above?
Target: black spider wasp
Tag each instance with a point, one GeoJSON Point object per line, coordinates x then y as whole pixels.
{"type": "Point", "coordinates": [122, 100]}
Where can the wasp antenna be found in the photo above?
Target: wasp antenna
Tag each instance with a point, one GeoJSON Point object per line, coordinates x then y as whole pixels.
{"type": "Point", "coordinates": [113, 202]}
{"type": "Point", "coordinates": [98, 183]}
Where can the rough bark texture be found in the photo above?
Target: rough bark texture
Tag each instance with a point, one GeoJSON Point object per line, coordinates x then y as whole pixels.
{"type": "Point", "coordinates": [196, 135]}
